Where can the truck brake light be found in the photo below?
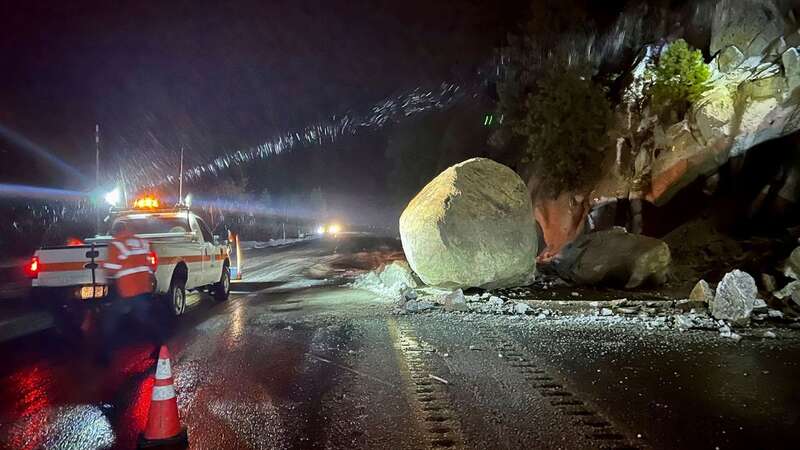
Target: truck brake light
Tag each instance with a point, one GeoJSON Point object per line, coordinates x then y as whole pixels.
{"type": "Point", "coordinates": [33, 268]}
{"type": "Point", "coordinates": [152, 259]}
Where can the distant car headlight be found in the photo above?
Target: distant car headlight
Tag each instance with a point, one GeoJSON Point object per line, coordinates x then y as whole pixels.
{"type": "Point", "coordinates": [333, 229]}
{"type": "Point", "coordinates": [321, 230]}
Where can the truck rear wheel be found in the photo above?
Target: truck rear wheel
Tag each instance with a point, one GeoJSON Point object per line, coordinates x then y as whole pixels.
{"type": "Point", "coordinates": [176, 297]}
{"type": "Point", "coordinates": [222, 289]}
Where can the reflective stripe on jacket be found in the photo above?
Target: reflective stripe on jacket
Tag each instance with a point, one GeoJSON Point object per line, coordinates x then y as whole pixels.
{"type": "Point", "coordinates": [127, 264]}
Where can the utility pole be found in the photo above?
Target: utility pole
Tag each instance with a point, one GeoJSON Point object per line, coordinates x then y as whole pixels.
{"type": "Point", "coordinates": [97, 177]}
{"type": "Point", "coordinates": [180, 180]}
{"type": "Point", "coordinates": [124, 188]}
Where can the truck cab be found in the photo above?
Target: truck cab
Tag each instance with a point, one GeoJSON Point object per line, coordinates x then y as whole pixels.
{"type": "Point", "coordinates": [188, 256]}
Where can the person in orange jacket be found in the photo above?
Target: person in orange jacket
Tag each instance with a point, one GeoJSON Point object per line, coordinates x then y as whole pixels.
{"type": "Point", "coordinates": [129, 268]}
{"type": "Point", "coordinates": [130, 265]}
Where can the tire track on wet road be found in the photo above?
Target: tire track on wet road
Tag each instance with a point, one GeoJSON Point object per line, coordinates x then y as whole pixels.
{"type": "Point", "coordinates": [582, 416]}
{"type": "Point", "coordinates": [428, 397]}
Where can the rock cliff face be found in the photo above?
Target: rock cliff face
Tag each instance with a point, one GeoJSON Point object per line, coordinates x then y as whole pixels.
{"type": "Point", "coordinates": [753, 97]}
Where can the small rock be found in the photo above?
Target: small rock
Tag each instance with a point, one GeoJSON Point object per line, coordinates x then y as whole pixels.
{"type": "Point", "coordinates": [606, 312]}
{"type": "Point", "coordinates": [619, 302]}
{"type": "Point", "coordinates": [521, 308]}
{"type": "Point", "coordinates": [769, 335]}
{"type": "Point", "coordinates": [769, 283]}
{"type": "Point", "coordinates": [417, 305]}
{"type": "Point", "coordinates": [684, 323]}
{"type": "Point", "coordinates": [725, 331]}
{"type": "Point", "coordinates": [760, 306]}
{"type": "Point", "coordinates": [493, 306]}
{"type": "Point", "coordinates": [650, 311]}
{"type": "Point", "coordinates": [775, 314]}
{"type": "Point", "coordinates": [688, 305]}
{"type": "Point", "coordinates": [575, 294]}
{"type": "Point", "coordinates": [453, 301]}
{"type": "Point", "coordinates": [408, 294]}
{"type": "Point", "coordinates": [735, 296]}
{"type": "Point", "coordinates": [702, 292]}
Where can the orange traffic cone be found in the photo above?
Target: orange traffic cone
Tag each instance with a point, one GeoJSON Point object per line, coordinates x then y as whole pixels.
{"type": "Point", "coordinates": [163, 424]}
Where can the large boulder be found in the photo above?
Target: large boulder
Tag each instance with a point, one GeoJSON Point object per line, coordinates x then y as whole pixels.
{"type": "Point", "coordinates": [471, 226]}
{"type": "Point", "coordinates": [735, 298]}
{"type": "Point", "coordinates": [615, 258]}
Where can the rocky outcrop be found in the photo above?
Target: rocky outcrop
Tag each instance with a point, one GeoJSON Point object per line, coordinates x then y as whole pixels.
{"type": "Point", "coordinates": [561, 220]}
{"type": "Point", "coordinates": [735, 298]}
{"type": "Point", "coordinates": [471, 226]}
{"type": "Point", "coordinates": [753, 98]}
{"type": "Point", "coordinates": [615, 258]}
{"type": "Point", "coordinates": [749, 25]}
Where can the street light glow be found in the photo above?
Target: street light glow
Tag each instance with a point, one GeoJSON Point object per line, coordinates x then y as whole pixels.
{"type": "Point", "coordinates": [113, 197]}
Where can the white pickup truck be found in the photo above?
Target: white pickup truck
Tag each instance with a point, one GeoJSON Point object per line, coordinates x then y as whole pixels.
{"type": "Point", "coordinates": [184, 252]}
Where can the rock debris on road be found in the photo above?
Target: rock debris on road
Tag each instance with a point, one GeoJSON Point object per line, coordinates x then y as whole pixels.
{"type": "Point", "coordinates": [327, 366]}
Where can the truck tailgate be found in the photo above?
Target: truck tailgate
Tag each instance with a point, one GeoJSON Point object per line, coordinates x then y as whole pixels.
{"type": "Point", "coordinates": [70, 266]}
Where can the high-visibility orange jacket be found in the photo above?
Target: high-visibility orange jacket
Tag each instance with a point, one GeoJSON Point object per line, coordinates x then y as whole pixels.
{"type": "Point", "coordinates": [129, 264]}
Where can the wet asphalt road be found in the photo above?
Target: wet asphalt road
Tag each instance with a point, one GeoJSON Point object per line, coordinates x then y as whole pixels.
{"type": "Point", "coordinates": [303, 362]}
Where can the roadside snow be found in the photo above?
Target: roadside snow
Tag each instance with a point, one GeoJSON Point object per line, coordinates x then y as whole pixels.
{"type": "Point", "coordinates": [250, 245]}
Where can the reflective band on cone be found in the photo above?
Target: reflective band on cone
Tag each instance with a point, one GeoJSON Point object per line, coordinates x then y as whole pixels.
{"type": "Point", "coordinates": [163, 370]}
{"type": "Point", "coordinates": [163, 423]}
{"type": "Point", "coordinates": [161, 393]}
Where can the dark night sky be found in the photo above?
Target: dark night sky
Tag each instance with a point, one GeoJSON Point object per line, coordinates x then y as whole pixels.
{"type": "Point", "coordinates": [219, 75]}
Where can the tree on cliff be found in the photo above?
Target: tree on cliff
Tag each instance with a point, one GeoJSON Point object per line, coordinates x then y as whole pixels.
{"type": "Point", "coordinates": [678, 79]}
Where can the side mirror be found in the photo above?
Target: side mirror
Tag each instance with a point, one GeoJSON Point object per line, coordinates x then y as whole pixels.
{"type": "Point", "coordinates": [216, 239]}
{"type": "Point", "coordinates": [195, 236]}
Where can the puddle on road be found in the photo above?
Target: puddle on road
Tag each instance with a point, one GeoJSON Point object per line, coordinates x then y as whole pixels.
{"type": "Point", "coordinates": [79, 427]}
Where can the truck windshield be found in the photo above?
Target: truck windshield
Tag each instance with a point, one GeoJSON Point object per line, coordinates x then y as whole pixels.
{"type": "Point", "coordinates": [150, 224]}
